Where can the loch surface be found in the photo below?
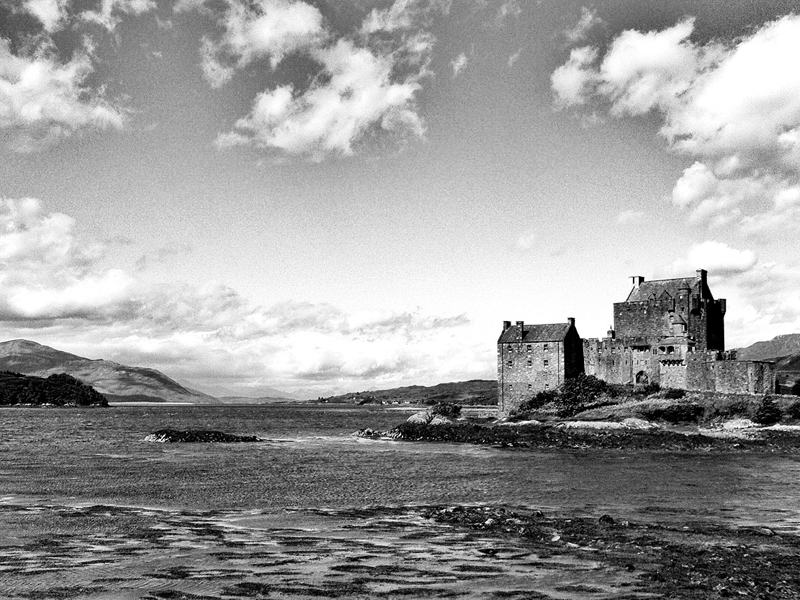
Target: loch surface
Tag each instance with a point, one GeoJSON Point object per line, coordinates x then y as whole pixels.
{"type": "Point", "coordinates": [88, 509]}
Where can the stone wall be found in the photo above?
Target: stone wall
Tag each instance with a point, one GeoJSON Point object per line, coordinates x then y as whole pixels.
{"type": "Point", "coordinates": [525, 369]}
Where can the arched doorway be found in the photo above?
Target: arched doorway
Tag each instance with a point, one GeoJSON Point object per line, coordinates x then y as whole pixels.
{"type": "Point", "coordinates": [642, 378]}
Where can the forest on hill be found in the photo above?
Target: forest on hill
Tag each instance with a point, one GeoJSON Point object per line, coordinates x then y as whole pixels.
{"type": "Point", "coordinates": [465, 393]}
{"type": "Point", "coordinates": [56, 390]}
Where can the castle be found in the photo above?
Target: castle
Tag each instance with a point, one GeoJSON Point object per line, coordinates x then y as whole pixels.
{"type": "Point", "coordinates": [668, 331]}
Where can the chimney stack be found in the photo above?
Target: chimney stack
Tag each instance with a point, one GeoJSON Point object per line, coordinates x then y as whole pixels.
{"type": "Point", "coordinates": [521, 332]}
{"type": "Point", "coordinates": [637, 280]}
{"type": "Point", "coordinates": [506, 325]}
{"type": "Point", "coordinates": [571, 321]}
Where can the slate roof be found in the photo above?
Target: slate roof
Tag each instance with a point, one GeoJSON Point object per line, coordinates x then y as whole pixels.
{"type": "Point", "coordinates": [555, 332]}
{"type": "Point", "coordinates": [656, 288]}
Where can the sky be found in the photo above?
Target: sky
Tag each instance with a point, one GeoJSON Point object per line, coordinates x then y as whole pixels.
{"type": "Point", "coordinates": [329, 196]}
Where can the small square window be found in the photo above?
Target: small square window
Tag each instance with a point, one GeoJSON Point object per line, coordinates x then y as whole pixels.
{"type": "Point", "coordinates": [530, 386]}
{"type": "Point", "coordinates": [510, 363]}
{"type": "Point", "coordinates": [530, 347]}
{"type": "Point", "coordinates": [546, 362]}
{"type": "Point", "coordinates": [530, 363]}
{"type": "Point", "coordinates": [544, 347]}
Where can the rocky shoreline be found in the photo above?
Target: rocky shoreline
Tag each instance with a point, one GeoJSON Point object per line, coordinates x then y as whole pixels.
{"type": "Point", "coordinates": [692, 561]}
{"type": "Point", "coordinates": [197, 436]}
{"type": "Point", "coordinates": [633, 434]}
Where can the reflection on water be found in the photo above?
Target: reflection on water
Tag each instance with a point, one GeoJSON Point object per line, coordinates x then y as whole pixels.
{"type": "Point", "coordinates": [311, 461]}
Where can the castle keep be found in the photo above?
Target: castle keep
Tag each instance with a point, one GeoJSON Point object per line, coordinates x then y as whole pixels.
{"type": "Point", "coordinates": [668, 331]}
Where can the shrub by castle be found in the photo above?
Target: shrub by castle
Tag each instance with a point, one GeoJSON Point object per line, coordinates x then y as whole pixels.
{"type": "Point", "coordinates": [670, 332]}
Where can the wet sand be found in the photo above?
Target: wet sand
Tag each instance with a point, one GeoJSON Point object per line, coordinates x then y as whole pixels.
{"type": "Point", "coordinates": [103, 552]}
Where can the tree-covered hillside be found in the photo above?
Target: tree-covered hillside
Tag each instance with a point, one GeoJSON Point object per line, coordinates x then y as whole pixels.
{"type": "Point", "coordinates": [474, 392]}
{"type": "Point", "coordinates": [58, 390]}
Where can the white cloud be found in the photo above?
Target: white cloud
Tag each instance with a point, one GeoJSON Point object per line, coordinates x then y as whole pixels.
{"type": "Point", "coordinates": [363, 88]}
{"type": "Point", "coordinates": [588, 20]}
{"type": "Point", "coordinates": [108, 14]}
{"type": "Point", "coordinates": [402, 15]}
{"type": "Point", "coordinates": [358, 97]}
{"type": "Point", "coordinates": [715, 257]}
{"type": "Point", "coordinates": [55, 289]}
{"type": "Point", "coordinates": [459, 64]}
{"type": "Point", "coordinates": [508, 10]}
{"type": "Point", "coordinates": [50, 13]}
{"type": "Point", "coordinates": [745, 138]}
{"type": "Point", "coordinates": [628, 217]}
{"type": "Point", "coordinates": [42, 100]}
{"type": "Point", "coordinates": [269, 29]}
{"type": "Point", "coordinates": [572, 81]}
{"type": "Point", "coordinates": [45, 273]}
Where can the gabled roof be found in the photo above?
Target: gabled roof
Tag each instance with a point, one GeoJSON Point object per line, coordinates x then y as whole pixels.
{"type": "Point", "coordinates": [555, 332]}
{"type": "Point", "coordinates": [654, 289]}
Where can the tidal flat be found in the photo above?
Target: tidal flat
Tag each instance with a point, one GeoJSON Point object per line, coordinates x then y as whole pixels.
{"type": "Point", "coordinates": [88, 509]}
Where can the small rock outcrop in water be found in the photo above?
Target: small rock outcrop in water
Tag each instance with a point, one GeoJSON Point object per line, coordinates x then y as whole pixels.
{"type": "Point", "coordinates": [171, 436]}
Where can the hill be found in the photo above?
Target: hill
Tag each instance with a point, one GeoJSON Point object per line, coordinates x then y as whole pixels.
{"type": "Point", "coordinates": [476, 391]}
{"type": "Point", "coordinates": [785, 351]}
{"type": "Point", "coordinates": [115, 381]}
{"type": "Point", "coordinates": [774, 349]}
{"type": "Point", "coordinates": [58, 390]}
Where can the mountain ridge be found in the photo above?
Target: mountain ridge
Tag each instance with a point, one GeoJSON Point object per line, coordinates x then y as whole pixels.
{"type": "Point", "coordinates": [114, 380]}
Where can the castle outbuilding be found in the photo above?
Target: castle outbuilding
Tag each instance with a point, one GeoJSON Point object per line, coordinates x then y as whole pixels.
{"type": "Point", "coordinates": [667, 331]}
{"type": "Point", "coordinates": [534, 358]}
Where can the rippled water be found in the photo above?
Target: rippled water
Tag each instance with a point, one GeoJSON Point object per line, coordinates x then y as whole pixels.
{"type": "Point", "coordinates": [312, 461]}
{"type": "Point", "coordinates": [89, 510]}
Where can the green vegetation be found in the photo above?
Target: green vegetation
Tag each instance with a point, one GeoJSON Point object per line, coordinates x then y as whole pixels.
{"type": "Point", "coordinates": [466, 393]}
{"type": "Point", "coordinates": [56, 390]}
{"type": "Point", "coordinates": [446, 409]}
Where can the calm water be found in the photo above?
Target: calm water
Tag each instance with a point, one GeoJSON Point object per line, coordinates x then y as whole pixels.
{"type": "Point", "coordinates": [312, 461]}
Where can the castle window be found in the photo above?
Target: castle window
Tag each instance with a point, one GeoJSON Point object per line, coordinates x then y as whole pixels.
{"type": "Point", "coordinates": [544, 347]}
{"type": "Point", "coordinates": [655, 350]}
{"type": "Point", "coordinates": [530, 386]}
{"type": "Point", "coordinates": [529, 348]}
{"type": "Point", "coordinates": [530, 363]}
{"type": "Point", "coordinates": [510, 363]}
{"type": "Point", "coordinates": [546, 362]}
{"type": "Point", "coordinates": [510, 386]}
{"type": "Point", "coordinates": [670, 350]}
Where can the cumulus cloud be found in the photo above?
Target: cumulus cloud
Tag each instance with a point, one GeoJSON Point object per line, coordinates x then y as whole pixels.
{"type": "Point", "coordinates": [572, 81]}
{"type": "Point", "coordinates": [45, 273]}
{"type": "Point", "coordinates": [734, 107]}
{"type": "Point", "coordinates": [51, 13]}
{"type": "Point", "coordinates": [588, 20]}
{"type": "Point", "coordinates": [269, 29]}
{"type": "Point", "coordinates": [110, 12]}
{"type": "Point", "coordinates": [459, 64]}
{"type": "Point", "coordinates": [43, 100]}
{"type": "Point", "coordinates": [716, 257]}
{"type": "Point", "coordinates": [331, 116]}
{"type": "Point", "coordinates": [364, 87]}
{"type": "Point", "coordinates": [55, 288]}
